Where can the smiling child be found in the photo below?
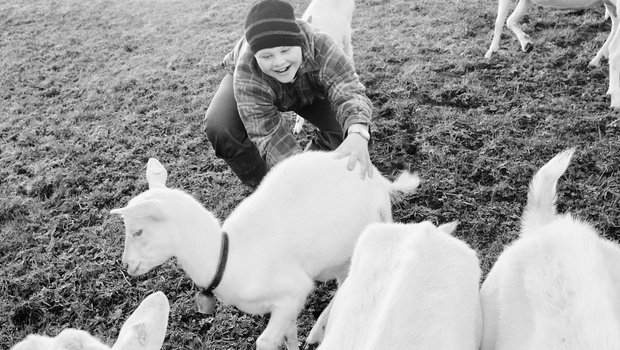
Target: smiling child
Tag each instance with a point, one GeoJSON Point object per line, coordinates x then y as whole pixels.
{"type": "Point", "coordinates": [283, 64]}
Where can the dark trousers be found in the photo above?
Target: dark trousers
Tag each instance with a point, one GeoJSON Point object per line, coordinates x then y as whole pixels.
{"type": "Point", "coordinates": [230, 140]}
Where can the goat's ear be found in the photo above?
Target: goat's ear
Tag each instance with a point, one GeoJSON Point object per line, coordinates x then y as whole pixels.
{"type": "Point", "coordinates": [151, 208]}
{"type": "Point", "coordinates": [156, 174]}
{"type": "Point", "coordinates": [449, 227]}
{"type": "Point", "coordinates": [146, 328]}
{"type": "Point", "coordinates": [309, 20]}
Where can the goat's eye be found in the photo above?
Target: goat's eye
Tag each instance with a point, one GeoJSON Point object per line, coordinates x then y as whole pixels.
{"type": "Point", "coordinates": [137, 233]}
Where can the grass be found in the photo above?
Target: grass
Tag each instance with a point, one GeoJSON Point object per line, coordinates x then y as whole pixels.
{"type": "Point", "coordinates": [90, 90]}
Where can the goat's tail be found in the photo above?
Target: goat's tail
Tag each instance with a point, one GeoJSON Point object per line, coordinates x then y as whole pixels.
{"type": "Point", "coordinates": [540, 208]}
{"type": "Point", "coordinates": [405, 183]}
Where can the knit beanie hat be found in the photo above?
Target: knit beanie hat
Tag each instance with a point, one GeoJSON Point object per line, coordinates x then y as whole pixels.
{"type": "Point", "coordinates": [271, 23]}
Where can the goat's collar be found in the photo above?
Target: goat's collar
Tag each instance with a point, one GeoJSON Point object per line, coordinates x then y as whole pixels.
{"type": "Point", "coordinates": [220, 267]}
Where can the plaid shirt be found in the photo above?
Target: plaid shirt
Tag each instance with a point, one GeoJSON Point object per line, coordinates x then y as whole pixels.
{"type": "Point", "coordinates": [325, 72]}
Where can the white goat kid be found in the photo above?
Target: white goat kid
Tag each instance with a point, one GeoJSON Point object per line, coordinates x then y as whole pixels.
{"type": "Point", "coordinates": [300, 225]}
{"type": "Point", "coordinates": [333, 17]}
{"type": "Point", "coordinates": [145, 329]}
{"type": "Point", "coordinates": [557, 286]}
{"type": "Point", "coordinates": [410, 286]}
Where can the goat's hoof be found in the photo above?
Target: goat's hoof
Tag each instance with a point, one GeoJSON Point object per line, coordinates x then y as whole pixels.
{"type": "Point", "coordinates": [311, 346]}
{"type": "Point", "coordinates": [528, 47]}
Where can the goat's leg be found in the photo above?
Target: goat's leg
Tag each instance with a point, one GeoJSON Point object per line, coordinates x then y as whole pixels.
{"type": "Point", "coordinates": [281, 322]}
{"type": "Point", "coordinates": [604, 50]}
{"type": "Point", "coordinates": [513, 24]}
{"type": "Point", "coordinates": [614, 65]}
{"type": "Point", "coordinates": [290, 338]}
{"type": "Point", "coordinates": [317, 333]}
{"type": "Point", "coordinates": [502, 13]}
{"type": "Point", "coordinates": [299, 125]}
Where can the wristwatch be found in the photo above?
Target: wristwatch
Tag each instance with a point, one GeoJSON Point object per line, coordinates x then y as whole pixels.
{"type": "Point", "coordinates": [360, 129]}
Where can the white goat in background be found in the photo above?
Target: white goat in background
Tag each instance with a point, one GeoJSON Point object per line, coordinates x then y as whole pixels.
{"type": "Point", "coordinates": [300, 225]}
{"type": "Point", "coordinates": [557, 286]}
{"type": "Point", "coordinates": [410, 286]}
{"type": "Point", "coordinates": [145, 329]}
{"type": "Point", "coordinates": [333, 17]}
{"type": "Point", "coordinates": [512, 23]}
{"type": "Point", "coordinates": [610, 49]}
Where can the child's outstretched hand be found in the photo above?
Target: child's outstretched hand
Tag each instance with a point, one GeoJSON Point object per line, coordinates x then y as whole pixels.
{"type": "Point", "coordinates": [355, 147]}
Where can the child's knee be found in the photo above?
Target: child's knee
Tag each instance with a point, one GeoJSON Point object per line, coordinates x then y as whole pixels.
{"type": "Point", "coordinates": [219, 129]}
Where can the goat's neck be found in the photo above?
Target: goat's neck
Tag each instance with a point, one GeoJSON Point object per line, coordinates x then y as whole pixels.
{"type": "Point", "coordinates": [199, 249]}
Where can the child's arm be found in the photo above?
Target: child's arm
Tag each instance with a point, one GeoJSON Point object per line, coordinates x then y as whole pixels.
{"type": "Point", "coordinates": [347, 96]}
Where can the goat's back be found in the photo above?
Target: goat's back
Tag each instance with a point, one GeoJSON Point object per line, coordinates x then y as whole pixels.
{"type": "Point", "coordinates": [558, 289]}
{"type": "Point", "coordinates": [34, 342]}
{"type": "Point", "coordinates": [410, 287]}
{"type": "Point", "coordinates": [69, 338]}
{"type": "Point", "coordinates": [322, 10]}
{"type": "Point", "coordinates": [310, 208]}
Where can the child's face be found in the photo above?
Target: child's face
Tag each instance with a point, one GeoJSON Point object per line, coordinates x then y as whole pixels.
{"type": "Point", "coordinates": [281, 62]}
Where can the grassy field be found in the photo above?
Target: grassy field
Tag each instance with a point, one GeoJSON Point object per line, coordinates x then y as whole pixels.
{"type": "Point", "coordinates": [89, 90]}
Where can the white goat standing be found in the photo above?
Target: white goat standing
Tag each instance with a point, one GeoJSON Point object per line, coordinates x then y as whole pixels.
{"type": "Point", "coordinates": [610, 49]}
{"type": "Point", "coordinates": [300, 225]}
{"type": "Point", "coordinates": [333, 17]}
{"type": "Point", "coordinates": [145, 329]}
{"type": "Point", "coordinates": [411, 286]}
{"type": "Point", "coordinates": [523, 5]}
{"type": "Point", "coordinates": [557, 286]}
